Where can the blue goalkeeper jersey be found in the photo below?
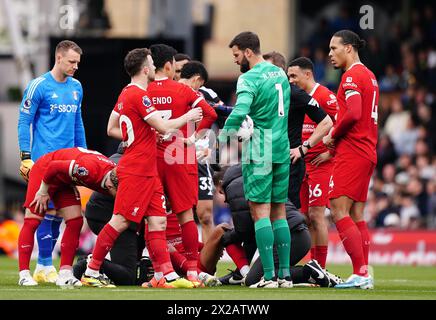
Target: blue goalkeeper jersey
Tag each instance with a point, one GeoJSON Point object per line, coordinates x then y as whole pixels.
{"type": "Point", "coordinates": [54, 110]}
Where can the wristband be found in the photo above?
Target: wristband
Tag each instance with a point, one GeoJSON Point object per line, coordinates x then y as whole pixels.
{"type": "Point", "coordinates": [25, 155]}
{"type": "Point", "coordinates": [300, 148]}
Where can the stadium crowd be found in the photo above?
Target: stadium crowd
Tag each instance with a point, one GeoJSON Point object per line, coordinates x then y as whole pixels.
{"type": "Point", "coordinates": [403, 191]}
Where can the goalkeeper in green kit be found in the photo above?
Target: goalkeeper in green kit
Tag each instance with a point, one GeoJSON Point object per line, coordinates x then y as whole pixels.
{"type": "Point", "coordinates": [263, 93]}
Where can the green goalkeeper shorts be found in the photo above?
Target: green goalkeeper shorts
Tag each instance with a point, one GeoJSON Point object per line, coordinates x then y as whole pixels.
{"type": "Point", "coordinates": [266, 182]}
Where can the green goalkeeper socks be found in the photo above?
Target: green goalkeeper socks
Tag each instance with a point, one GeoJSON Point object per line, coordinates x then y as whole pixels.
{"type": "Point", "coordinates": [282, 240]}
{"type": "Point", "coordinates": [265, 243]}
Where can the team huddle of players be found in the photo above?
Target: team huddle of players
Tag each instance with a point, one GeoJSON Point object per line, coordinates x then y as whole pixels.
{"type": "Point", "coordinates": [160, 121]}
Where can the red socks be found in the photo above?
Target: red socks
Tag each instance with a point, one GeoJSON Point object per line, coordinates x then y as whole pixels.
{"type": "Point", "coordinates": [105, 241]}
{"type": "Point", "coordinates": [313, 253]}
{"type": "Point", "coordinates": [179, 262]}
{"type": "Point", "coordinates": [321, 255]}
{"type": "Point", "coordinates": [158, 249]}
{"type": "Point", "coordinates": [70, 241]}
{"type": "Point", "coordinates": [363, 228]}
{"type": "Point", "coordinates": [26, 241]}
{"type": "Point", "coordinates": [352, 241]}
{"type": "Point", "coordinates": [190, 244]}
{"type": "Point", "coordinates": [237, 253]}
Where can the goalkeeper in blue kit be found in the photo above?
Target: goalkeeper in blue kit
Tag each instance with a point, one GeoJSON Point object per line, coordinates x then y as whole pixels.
{"type": "Point", "coordinates": [51, 119]}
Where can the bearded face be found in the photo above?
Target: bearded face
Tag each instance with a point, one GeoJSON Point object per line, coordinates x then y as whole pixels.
{"type": "Point", "coordinates": [245, 65]}
{"type": "Point", "coordinates": [240, 59]}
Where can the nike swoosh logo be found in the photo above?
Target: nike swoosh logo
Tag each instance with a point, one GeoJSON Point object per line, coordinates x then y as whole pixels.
{"type": "Point", "coordinates": [320, 274]}
{"type": "Point", "coordinates": [26, 246]}
{"type": "Point", "coordinates": [46, 237]}
{"type": "Point", "coordinates": [310, 201]}
{"type": "Point", "coordinates": [232, 281]}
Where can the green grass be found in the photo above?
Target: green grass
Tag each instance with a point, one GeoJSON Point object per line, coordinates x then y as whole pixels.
{"type": "Point", "coordinates": [392, 282]}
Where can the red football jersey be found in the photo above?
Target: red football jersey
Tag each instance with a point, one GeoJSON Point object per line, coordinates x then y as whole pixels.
{"type": "Point", "coordinates": [79, 166]}
{"type": "Point", "coordinates": [134, 107]}
{"type": "Point", "coordinates": [173, 100]}
{"type": "Point", "coordinates": [327, 101]}
{"type": "Point", "coordinates": [362, 137]}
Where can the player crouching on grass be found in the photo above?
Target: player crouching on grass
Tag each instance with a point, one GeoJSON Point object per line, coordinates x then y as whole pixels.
{"type": "Point", "coordinates": [54, 177]}
{"type": "Point", "coordinates": [140, 193]}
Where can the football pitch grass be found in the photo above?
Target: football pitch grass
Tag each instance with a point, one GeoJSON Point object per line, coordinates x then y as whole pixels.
{"type": "Point", "coordinates": [391, 283]}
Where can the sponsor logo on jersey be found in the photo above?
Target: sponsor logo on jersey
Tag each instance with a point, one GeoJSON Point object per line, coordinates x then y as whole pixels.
{"type": "Point", "coordinates": [347, 85]}
{"type": "Point", "coordinates": [308, 128]}
{"type": "Point", "coordinates": [106, 160]}
{"type": "Point", "coordinates": [146, 101]}
{"type": "Point", "coordinates": [64, 108]}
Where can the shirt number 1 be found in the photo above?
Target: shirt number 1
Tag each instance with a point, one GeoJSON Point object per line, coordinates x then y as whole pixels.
{"type": "Point", "coordinates": [281, 104]}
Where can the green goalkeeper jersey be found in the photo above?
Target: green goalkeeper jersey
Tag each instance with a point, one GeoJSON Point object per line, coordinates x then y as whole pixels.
{"type": "Point", "coordinates": [264, 94]}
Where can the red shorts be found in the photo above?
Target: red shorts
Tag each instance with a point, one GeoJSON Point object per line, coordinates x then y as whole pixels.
{"type": "Point", "coordinates": [139, 197]}
{"type": "Point", "coordinates": [314, 190]}
{"type": "Point", "coordinates": [180, 184]}
{"type": "Point", "coordinates": [351, 176]}
{"type": "Point", "coordinates": [62, 196]}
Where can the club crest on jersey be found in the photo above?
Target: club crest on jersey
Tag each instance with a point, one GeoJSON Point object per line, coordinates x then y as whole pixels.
{"type": "Point", "coordinates": [349, 79]}
{"type": "Point", "coordinates": [135, 211]}
{"type": "Point", "coordinates": [146, 101]}
{"type": "Point", "coordinates": [76, 95]}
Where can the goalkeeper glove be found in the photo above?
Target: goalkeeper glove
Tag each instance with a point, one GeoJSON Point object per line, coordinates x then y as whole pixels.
{"type": "Point", "coordinates": [26, 165]}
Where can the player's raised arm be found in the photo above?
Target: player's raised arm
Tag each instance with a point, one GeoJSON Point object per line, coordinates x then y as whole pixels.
{"type": "Point", "coordinates": [241, 109]}
{"type": "Point", "coordinates": [320, 131]}
{"type": "Point", "coordinates": [168, 126]}
{"type": "Point", "coordinates": [209, 114]}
